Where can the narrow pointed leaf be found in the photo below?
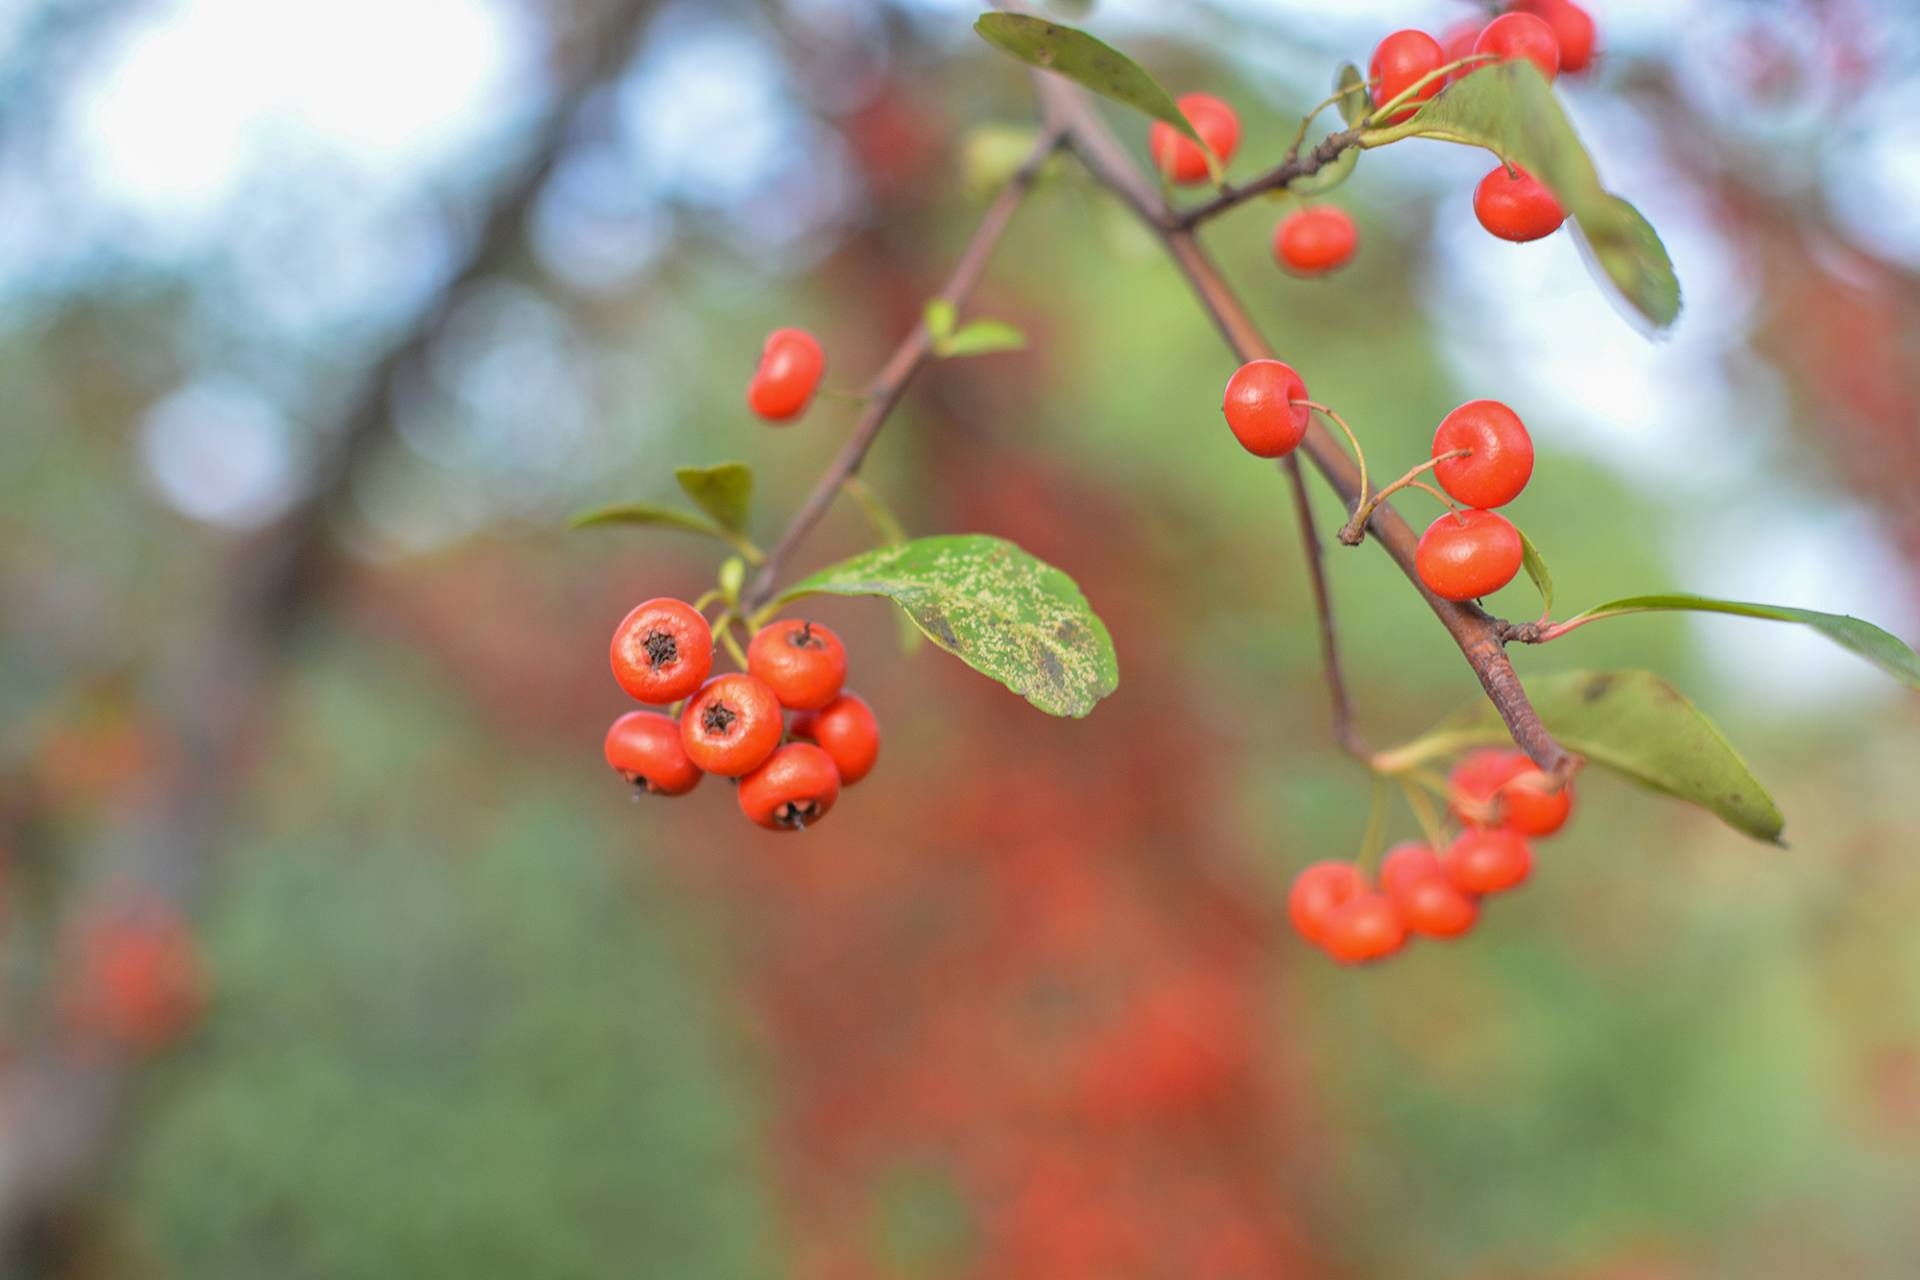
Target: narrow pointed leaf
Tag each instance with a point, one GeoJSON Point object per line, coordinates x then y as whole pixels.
{"type": "Point", "coordinates": [1083, 59]}
{"type": "Point", "coordinates": [997, 608]}
{"type": "Point", "coordinates": [1634, 723]}
{"type": "Point", "coordinates": [1356, 105]}
{"type": "Point", "coordinates": [1536, 566]}
{"type": "Point", "coordinates": [1509, 109]}
{"type": "Point", "coordinates": [1325, 178]}
{"type": "Point", "coordinates": [724, 491]}
{"type": "Point", "coordinates": [646, 513]}
{"type": "Point", "coordinates": [1882, 649]}
{"type": "Point", "coordinates": [983, 337]}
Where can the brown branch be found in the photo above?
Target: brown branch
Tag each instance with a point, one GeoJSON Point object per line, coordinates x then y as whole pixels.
{"type": "Point", "coordinates": [1472, 630]}
{"type": "Point", "coordinates": [1295, 167]}
{"type": "Point", "coordinates": [884, 392]}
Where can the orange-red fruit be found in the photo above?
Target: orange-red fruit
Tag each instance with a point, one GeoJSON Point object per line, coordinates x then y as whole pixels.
{"type": "Point", "coordinates": [1488, 860]}
{"type": "Point", "coordinates": [792, 789]}
{"type": "Point", "coordinates": [731, 726]}
{"type": "Point", "coordinates": [1180, 157]}
{"type": "Point", "coordinates": [1507, 785]}
{"type": "Point", "coordinates": [1260, 409]}
{"type": "Point", "coordinates": [662, 651]}
{"type": "Point", "coordinates": [1367, 927]}
{"type": "Point", "coordinates": [804, 663]}
{"type": "Point", "coordinates": [1406, 865]}
{"type": "Point", "coordinates": [1315, 241]}
{"type": "Point", "coordinates": [644, 747]}
{"type": "Point", "coordinates": [845, 729]}
{"type": "Point", "coordinates": [1572, 29]}
{"type": "Point", "coordinates": [1319, 891]}
{"type": "Point", "coordinates": [1399, 62]}
{"type": "Point", "coordinates": [791, 363]}
{"type": "Point", "coordinates": [1516, 206]}
{"type": "Point", "coordinates": [1502, 459]}
{"type": "Point", "coordinates": [136, 979]}
{"type": "Point", "coordinates": [1427, 901]}
{"type": "Point", "coordinates": [1521, 35]}
{"type": "Point", "coordinates": [1467, 554]}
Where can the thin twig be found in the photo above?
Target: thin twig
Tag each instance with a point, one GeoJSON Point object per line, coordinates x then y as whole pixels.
{"type": "Point", "coordinates": [891, 382]}
{"type": "Point", "coordinates": [1324, 153]}
{"type": "Point", "coordinates": [1345, 731]}
{"type": "Point", "coordinates": [1472, 630]}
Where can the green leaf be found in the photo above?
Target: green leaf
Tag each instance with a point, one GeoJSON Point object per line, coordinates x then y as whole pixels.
{"type": "Point", "coordinates": [1536, 566]}
{"type": "Point", "coordinates": [940, 317]}
{"type": "Point", "coordinates": [1326, 177]}
{"type": "Point", "coordinates": [1509, 109]}
{"type": "Point", "coordinates": [1358, 105]}
{"type": "Point", "coordinates": [990, 154]}
{"type": "Point", "coordinates": [724, 491]}
{"type": "Point", "coordinates": [995, 607]}
{"type": "Point", "coordinates": [1634, 723]}
{"type": "Point", "coordinates": [1081, 58]}
{"type": "Point", "coordinates": [647, 513]}
{"type": "Point", "coordinates": [1883, 650]}
{"type": "Point", "coordinates": [982, 337]}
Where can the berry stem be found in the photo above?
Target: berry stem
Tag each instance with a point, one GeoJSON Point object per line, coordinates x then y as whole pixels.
{"type": "Point", "coordinates": [1386, 110]}
{"type": "Point", "coordinates": [1424, 814]}
{"type": "Point", "coordinates": [1355, 529]}
{"type": "Point", "coordinates": [1306, 121]}
{"type": "Point", "coordinates": [1345, 732]}
{"type": "Point", "coordinates": [1373, 835]}
{"type": "Point", "coordinates": [723, 632]}
{"type": "Point", "coordinates": [1359, 455]}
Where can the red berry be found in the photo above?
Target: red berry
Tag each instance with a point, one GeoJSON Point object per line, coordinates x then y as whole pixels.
{"type": "Point", "coordinates": [1318, 892]}
{"type": "Point", "coordinates": [1521, 35]}
{"type": "Point", "coordinates": [662, 651]}
{"type": "Point", "coordinates": [792, 790]}
{"type": "Point", "coordinates": [1368, 927]}
{"type": "Point", "coordinates": [732, 725]}
{"type": "Point", "coordinates": [1435, 908]}
{"type": "Point", "coordinates": [804, 663]}
{"type": "Point", "coordinates": [1467, 554]}
{"type": "Point", "coordinates": [1456, 43]}
{"type": "Point", "coordinates": [1406, 865]}
{"type": "Point", "coordinates": [1180, 157]}
{"type": "Point", "coordinates": [791, 363]}
{"type": "Point", "coordinates": [644, 747]}
{"type": "Point", "coordinates": [1516, 206]}
{"type": "Point", "coordinates": [1314, 241]}
{"type": "Point", "coordinates": [1399, 63]}
{"type": "Point", "coordinates": [1502, 459]}
{"type": "Point", "coordinates": [846, 730]}
{"type": "Point", "coordinates": [1572, 29]}
{"type": "Point", "coordinates": [1505, 788]}
{"type": "Point", "coordinates": [1488, 860]}
{"type": "Point", "coordinates": [1260, 409]}
{"type": "Point", "coordinates": [135, 978]}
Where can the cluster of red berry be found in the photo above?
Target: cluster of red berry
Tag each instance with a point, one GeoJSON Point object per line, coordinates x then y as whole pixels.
{"type": "Point", "coordinates": [1501, 800]}
{"type": "Point", "coordinates": [1555, 35]}
{"type": "Point", "coordinates": [1482, 456]}
{"type": "Point", "coordinates": [734, 724]}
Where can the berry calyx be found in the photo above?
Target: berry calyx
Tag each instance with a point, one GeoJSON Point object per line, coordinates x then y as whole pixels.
{"type": "Point", "coordinates": [804, 663]}
{"type": "Point", "coordinates": [1467, 554]}
{"type": "Point", "coordinates": [793, 789]}
{"type": "Point", "coordinates": [644, 747]}
{"type": "Point", "coordinates": [1260, 409]}
{"type": "Point", "coordinates": [1516, 206]}
{"type": "Point", "coordinates": [1501, 461]}
{"type": "Point", "coordinates": [1573, 29]}
{"type": "Point", "coordinates": [1180, 157]}
{"type": "Point", "coordinates": [1399, 63]}
{"type": "Point", "coordinates": [847, 730]}
{"type": "Point", "coordinates": [1319, 891]}
{"type": "Point", "coordinates": [731, 726]}
{"type": "Point", "coordinates": [1367, 927]}
{"type": "Point", "coordinates": [1488, 860]}
{"type": "Point", "coordinates": [791, 363]}
{"type": "Point", "coordinates": [1315, 241]}
{"type": "Point", "coordinates": [662, 651]}
{"type": "Point", "coordinates": [1521, 35]}
{"type": "Point", "coordinates": [1504, 788]}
